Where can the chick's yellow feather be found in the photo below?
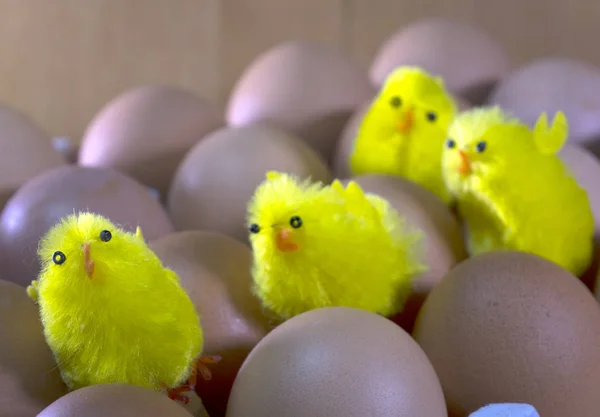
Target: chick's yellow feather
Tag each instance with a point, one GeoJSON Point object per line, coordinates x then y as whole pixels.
{"type": "Point", "coordinates": [512, 189]}
{"type": "Point", "coordinates": [318, 246]}
{"type": "Point", "coordinates": [112, 313]}
{"type": "Point", "coordinates": [404, 129]}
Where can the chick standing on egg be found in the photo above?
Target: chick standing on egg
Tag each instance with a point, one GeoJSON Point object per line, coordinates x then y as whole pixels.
{"type": "Point", "coordinates": [329, 246]}
{"type": "Point", "coordinates": [514, 192]}
{"type": "Point", "coordinates": [111, 312]}
{"type": "Point", "coordinates": [404, 130]}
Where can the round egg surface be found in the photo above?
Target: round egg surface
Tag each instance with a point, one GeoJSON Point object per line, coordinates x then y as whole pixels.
{"type": "Point", "coordinates": [467, 58]}
{"type": "Point", "coordinates": [26, 151]}
{"type": "Point", "coordinates": [29, 377]}
{"type": "Point", "coordinates": [305, 88]}
{"type": "Point", "coordinates": [147, 131]}
{"type": "Point", "coordinates": [551, 85]}
{"type": "Point", "coordinates": [214, 269]}
{"type": "Point", "coordinates": [217, 179]}
{"type": "Point", "coordinates": [45, 200]}
{"type": "Point", "coordinates": [512, 327]}
{"type": "Point", "coordinates": [114, 400]}
{"type": "Point", "coordinates": [334, 362]}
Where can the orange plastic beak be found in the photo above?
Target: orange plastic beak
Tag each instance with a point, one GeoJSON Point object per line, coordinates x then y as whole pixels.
{"type": "Point", "coordinates": [406, 124]}
{"type": "Point", "coordinates": [283, 240]}
{"type": "Point", "coordinates": [465, 164]}
{"type": "Point", "coordinates": [88, 263]}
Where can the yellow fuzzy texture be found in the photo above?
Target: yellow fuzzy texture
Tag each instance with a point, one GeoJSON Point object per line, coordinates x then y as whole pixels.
{"type": "Point", "coordinates": [354, 249]}
{"type": "Point", "coordinates": [519, 195]}
{"type": "Point", "coordinates": [416, 155]}
{"type": "Point", "coordinates": [130, 323]}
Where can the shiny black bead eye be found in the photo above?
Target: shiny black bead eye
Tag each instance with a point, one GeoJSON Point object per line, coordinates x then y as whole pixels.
{"type": "Point", "coordinates": [295, 222]}
{"type": "Point", "coordinates": [431, 116]}
{"type": "Point", "coordinates": [480, 147]}
{"type": "Point", "coordinates": [254, 228]}
{"type": "Point", "coordinates": [450, 143]}
{"type": "Point", "coordinates": [105, 236]}
{"type": "Point", "coordinates": [396, 101]}
{"type": "Point", "coordinates": [59, 258]}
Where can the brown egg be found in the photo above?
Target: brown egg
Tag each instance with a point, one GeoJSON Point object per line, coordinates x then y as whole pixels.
{"type": "Point", "coordinates": [26, 151]}
{"type": "Point", "coordinates": [114, 400]}
{"type": "Point", "coordinates": [513, 327]}
{"type": "Point", "coordinates": [214, 183]}
{"type": "Point", "coordinates": [214, 269]}
{"type": "Point", "coordinates": [147, 131]}
{"type": "Point", "coordinates": [549, 85]}
{"type": "Point", "coordinates": [334, 362]}
{"type": "Point", "coordinates": [305, 88]}
{"type": "Point", "coordinates": [468, 59]}
{"type": "Point", "coordinates": [29, 378]}
{"type": "Point", "coordinates": [44, 200]}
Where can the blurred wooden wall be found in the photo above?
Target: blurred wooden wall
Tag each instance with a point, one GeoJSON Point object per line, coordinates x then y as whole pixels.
{"type": "Point", "coordinates": [61, 60]}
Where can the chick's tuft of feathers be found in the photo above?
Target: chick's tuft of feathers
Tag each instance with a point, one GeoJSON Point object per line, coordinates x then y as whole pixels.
{"type": "Point", "coordinates": [317, 246]}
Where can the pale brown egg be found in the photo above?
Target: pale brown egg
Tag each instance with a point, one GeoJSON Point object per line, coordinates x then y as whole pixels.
{"type": "Point", "coordinates": [337, 362]}
{"type": "Point", "coordinates": [29, 377]}
{"type": "Point", "coordinates": [513, 327]}
{"type": "Point", "coordinates": [305, 88]}
{"type": "Point", "coordinates": [147, 131]}
{"type": "Point", "coordinates": [44, 200]}
{"type": "Point", "coordinates": [551, 85]}
{"type": "Point", "coordinates": [214, 269]}
{"type": "Point", "coordinates": [216, 180]}
{"type": "Point", "coordinates": [114, 400]}
{"type": "Point", "coordinates": [25, 151]}
{"type": "Point", "coordinates": [468, 59]}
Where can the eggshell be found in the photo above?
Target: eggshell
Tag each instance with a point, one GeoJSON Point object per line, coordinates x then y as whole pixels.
{"type": "Point", "coordinates": [513, 327]}
{"type": "Point", "coordinates": [44, 200]}
{"type": "Point", "coordinates": [334, 362]}
{"type": "Point", "coordinates": [467, 58]}
{"type": "Point", "coordinates": [215, 181]}
{"type": "Point", "coordinates": [26, 151]}
{"type": "Point", "coordinates": [114, 400]}
{"type": "Point", "coordinates": [305, 88]}
{"type": "Point", "coordinates": [553, 84]}
{"type": "Point", "coordinates": [147, 131]}
{"type": "Point", "coordinates": [214, 269]}
{"type": "Point", "coordinates": [29, 378]}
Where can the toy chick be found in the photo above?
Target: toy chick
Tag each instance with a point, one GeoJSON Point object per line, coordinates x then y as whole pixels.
{"type": "Point", "coordinates": [404, 130]}
{"type": "Point", "coordinates": [111, 312]}
{"type": "Point", "coordinates": [514, 192]}
{"type": "Point", "coordinates": [319, 246]}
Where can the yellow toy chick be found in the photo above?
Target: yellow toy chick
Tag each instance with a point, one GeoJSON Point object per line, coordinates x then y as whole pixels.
{"type": "Point", "coordinates": [319, 246]}
{"type": "Point", "coordinates": [512, 190]}
{"type": "Point", "coordinates": [404, 130]}
{"type": "Point", "coordinates": [111, 312]}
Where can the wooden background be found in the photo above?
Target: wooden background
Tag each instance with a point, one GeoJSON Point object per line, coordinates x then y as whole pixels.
{"type": "Point", "coordinates": [61, 60]}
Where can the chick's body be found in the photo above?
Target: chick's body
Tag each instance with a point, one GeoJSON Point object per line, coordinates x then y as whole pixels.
{"type": "Point", "coordinates": [514, 192]}
{"type": "Point", "coordinates": [318, 246]}
{"type": "Point", "coordinates": [111, 312]}
{"type": "Point", "coordinates": [404, 130]}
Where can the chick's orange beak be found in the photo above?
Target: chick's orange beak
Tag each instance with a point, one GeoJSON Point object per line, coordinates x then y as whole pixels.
{"type": "Point", "coordinates": [406, 123]}
{"type": "Point", "coordinates": [88, 263]}
{"type": "Point", "coordinates": [464, 167]}
{"type": "Point", "coordinates": [284, 242]}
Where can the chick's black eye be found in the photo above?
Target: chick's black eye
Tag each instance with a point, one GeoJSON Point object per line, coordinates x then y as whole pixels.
{"type": "Point", "coordinates": [59, 258]}
{"type": "Point", "coordinates": [396, 101]}
{"type": "Point", "coordinates": [295, 222]}
{"type": "Point", "coordinates": [431, 116]}
{"type": "Point", "coordinates": [450, 143]}
{"type": "Point", "coordinates": [105, 236]}
{"type": "Point", "coordinates": [254, 228]}
{"type": "Point", "coordinates": [480, 147]}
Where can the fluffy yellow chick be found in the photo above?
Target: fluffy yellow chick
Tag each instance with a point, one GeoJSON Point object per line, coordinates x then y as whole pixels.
{"type": "Point", "coordinates": [404, 130]}
{"type": "Point", "coordinates": [513, 191]}
{"type": "Point", "coordinates": [111, 312]}
{"type": "Point", "coordinates": [318, 246]}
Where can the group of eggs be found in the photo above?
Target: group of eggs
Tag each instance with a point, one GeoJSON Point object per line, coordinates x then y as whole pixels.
{"type": "Point", "coordinates": [502, 327]}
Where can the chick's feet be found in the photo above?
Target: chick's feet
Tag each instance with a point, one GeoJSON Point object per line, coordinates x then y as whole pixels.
{"type": "Point", "coordinates": [201, 368]}
{"type": "Point", "coordinates": [177, 394]}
